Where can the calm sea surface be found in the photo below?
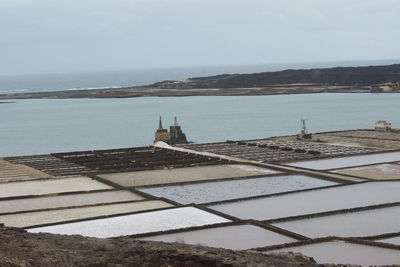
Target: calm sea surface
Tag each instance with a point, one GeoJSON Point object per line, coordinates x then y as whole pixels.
{"type": "Point", "coordinates": [42, 126]}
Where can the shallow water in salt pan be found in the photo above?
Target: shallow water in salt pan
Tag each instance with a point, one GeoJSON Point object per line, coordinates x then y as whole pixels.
{"type": "Point", "coordinates": [230, 237]}
{"type": "Point", "coordinates": [376, 172]}
{"type": "Point", "coordinates": [238, 188]}
{"type": "Point", "coordinates": [42, 187]}
{"type": "Point", "coordinates": [51, 202]}
{"type": "Point", "coordinates": [136, 223]}
{"type": "Point", "coordinates": [60, 215]}
{"type": "Point", "coordinates": [355, 224]}
{"type": "Point", "coordinates": [188, 174]}
{"type": "Point", "coordinates": [393, 240]}
{"type": "Point", "coordinates": [342, 162]}
{"type": "Point", "coordinates": [341, 252]}
{"type": "Point", "coordinates": [315, 201]}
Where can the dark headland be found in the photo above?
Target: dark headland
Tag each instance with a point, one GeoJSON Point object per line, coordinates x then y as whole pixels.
{"type": "Point", "coordinates": [375, 79]}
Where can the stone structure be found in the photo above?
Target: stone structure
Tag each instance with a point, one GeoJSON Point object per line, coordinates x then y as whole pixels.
{"type": "Point", "coordinates": [162, 134]}
{"type": "Point", "coordinates": [383, 126]}
{"type": "Point", "coordinates": [386, 87]}
{"type": "Point", "coordinates": [304, 134]}
{"type": "Point", "coordinates": [174, 136]}
{"type": "Point", "coordinates": [177, 136]}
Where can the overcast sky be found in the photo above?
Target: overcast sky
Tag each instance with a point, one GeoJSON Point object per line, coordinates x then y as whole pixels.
{"type": "Point", "coordinates": [41, 36]}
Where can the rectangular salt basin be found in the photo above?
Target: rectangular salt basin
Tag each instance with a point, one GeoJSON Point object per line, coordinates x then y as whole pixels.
{"type": "Point", "coordinates": [42, 187]}
{"type": "Point", "coordinates": [238, 188]}
{"type": "Point", "coordinates": [392, 240]}
{"type": "Point", "coordinates": [336, 163]}
{"type": "Point", "coordinates": [179, 175]}
{"type": "Point", "coordinates": [315, 201]}
{"type": "Point", "coordinates": [136, 223]}
{"type": "Point", "coordinates": [81, 199]}
{"type": "Point", "coordinates": [341, 252]}
{"type": "Point", "coordinates": [10, 172]}
{"type": "Point", "coordinates": [355, 224]}
{"type": "Point", "coordinates": [54, 216]}
{"type": "Point", "coordinates": [376, 172]}
{"type": "Point", "coordinates": [229, 237]}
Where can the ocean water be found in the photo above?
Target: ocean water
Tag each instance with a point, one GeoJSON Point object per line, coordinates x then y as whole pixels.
{"type": "Point", "coordinates": [37, 126]}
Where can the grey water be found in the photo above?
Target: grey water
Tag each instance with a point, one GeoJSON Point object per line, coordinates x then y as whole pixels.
{"type": "Point", "coordinates": [343, 162]}
{"type": "Point", "coordinates": [38, 126]}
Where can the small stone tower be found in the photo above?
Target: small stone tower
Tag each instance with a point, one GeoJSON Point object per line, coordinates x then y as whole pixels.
{"type": "Point", "coordinates": [383, 126]}
{"type": "Point", "coordinates": [174, 136]}
{"type": "Point", "coordinates": [162, 134]}
{"type": "Point", "coordinates": [177, 136]}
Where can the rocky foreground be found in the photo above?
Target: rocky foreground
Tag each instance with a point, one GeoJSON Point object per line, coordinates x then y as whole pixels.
{"type": "Point", "coordinates": [20, 248]}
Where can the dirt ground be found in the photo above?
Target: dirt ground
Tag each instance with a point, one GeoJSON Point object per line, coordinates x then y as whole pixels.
{"type": "Point", "coordinates": [10, 172]}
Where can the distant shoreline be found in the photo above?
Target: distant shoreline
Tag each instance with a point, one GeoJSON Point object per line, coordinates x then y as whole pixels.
{"type": "Point", "coordinates": [157, 92]}
{"type": "Point", "coordinates": [370, 79]}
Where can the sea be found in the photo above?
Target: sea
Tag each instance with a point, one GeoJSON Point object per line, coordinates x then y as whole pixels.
{"type": "Point", "coordinates": [40, 126]}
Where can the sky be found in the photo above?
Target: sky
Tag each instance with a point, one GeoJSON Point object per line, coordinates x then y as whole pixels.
{"type": "Point", "coordinates": [55, 36]}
